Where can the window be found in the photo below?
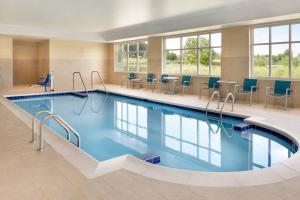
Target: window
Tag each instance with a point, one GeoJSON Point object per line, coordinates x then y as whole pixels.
{"type": "Point", "coordinates": [131, 56]}
{"type": "Point", "coordinates": [194, 54]}
{"type": "Point", "coordinates": [276, 51]}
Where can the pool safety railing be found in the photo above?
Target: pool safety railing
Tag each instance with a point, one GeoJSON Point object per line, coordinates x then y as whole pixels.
{"type": "Point", "coordinates": [59, 121]}
{"type": "Point", "coordinates": [33, 122]}
{"type": "Point", "coordinates": [215, 93]}
{"type": "Point", "coordinates": [79, 74]}
{"type": "Point", "coordinates": [101, 79]}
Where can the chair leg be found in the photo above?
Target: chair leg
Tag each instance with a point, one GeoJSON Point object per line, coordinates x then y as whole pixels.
{"type": "Point", "coordinates": [121, 83]}
{"type": "Point", "coordinates": [251, 98]}
{"type": "Point", "coordinates": [200, 92]}
{"type": "Point", "coordinates": [285, 103]}
{"type": "Point", "coordinates": [266, 97]}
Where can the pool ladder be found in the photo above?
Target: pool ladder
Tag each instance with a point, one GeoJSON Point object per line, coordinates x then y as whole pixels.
{"type": "Point", "coordinates": [217, 94]}
{"type": "Point", "coordinates": [100, 77]}
{"type": "Point", "coordinates": [59, 121]}
{"type": "Point", "coordinates": [79, 74]}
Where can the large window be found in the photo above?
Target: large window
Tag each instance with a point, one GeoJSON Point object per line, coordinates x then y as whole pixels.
{"type": "Point", "coordinates": [131, 56]}
{"type": "Point", "coordinates": [276, 51]}
{"type": "Point", "coordinates": [194, 54]}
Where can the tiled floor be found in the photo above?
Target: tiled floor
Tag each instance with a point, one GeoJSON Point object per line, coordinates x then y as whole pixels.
{"type": "Point", "coordinates": [28, 174]}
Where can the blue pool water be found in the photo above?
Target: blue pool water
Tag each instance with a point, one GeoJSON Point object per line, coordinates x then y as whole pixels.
{"type": "Point", "coordinates": [112, 125]}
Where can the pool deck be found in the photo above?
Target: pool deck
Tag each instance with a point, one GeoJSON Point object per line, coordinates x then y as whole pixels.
{"type": "Point", "coordinates": [28, 174]}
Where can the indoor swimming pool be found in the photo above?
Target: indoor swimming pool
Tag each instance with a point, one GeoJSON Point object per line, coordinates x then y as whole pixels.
{"type": "Point", "coordinates": [112, 125]}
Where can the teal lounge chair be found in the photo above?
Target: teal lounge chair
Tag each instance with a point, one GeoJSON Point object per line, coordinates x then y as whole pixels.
{"type": "Point", "coordinates": [248, 88]}
{"type": "Point", "coordinates": [211, 86]}
{"type": "Point", "coordinates": [282, 89]}
{"type": "Point", "coordinates": [185, 82]}
{"type": "Point", "coordinates": [128, 79]}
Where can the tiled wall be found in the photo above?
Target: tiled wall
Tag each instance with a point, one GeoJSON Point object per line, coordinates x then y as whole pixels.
{"type": "Point", "coordinates": [25, 62]}
{"type": "Point", "coordinates": [6, 63]}
{"type": "Point", "coordinates": [67, 57]}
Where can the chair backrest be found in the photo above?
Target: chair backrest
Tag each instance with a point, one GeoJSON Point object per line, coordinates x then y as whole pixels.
{"type": "Point", "coordinates": [281, 86]}
{"type": "Point", "coordinates": [249, 83]}
{"type": "Point", "coordinates": [162, 78]}
{"type": "Point", "coordinates": [132, 76]}
{"type": "Point", "coordinates": [213, 82]}
{"type": "Point", "coordinates": [150, 77]}
{"type": "Point", "coordinates": [186, 80]}
{"type": "Point", "coordinates": [47, 79]}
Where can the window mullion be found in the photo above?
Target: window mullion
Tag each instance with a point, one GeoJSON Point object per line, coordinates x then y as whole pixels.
{"type": "Point", "coordinates": [198, 56]}
{"type": "Point", "coordinates": [181, 55]}
{"type": "Point", "coordinates": [270, 52]}
{"type": "Point", "coordinates": [210, 54]}
{"type": "Point", "coordinates": [127, 57]}
{"type": "Point", "coordinates": [290, 51]}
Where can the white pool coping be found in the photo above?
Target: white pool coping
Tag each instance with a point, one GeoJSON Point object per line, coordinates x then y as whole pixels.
{"type": "Point", "coordinates": [91, 168]}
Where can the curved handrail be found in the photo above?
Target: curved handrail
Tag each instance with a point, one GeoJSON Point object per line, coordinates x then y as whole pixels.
{"type": "Point", "coordinates": [62, 123]}
{"type": "Point", "coordinates": [33, 121]}
{"type": "Point", "coordinates": [229, 95]}
{"type": "Point", "coordinates": [74, 73]}
{"type": "Point", "coordinates": [100, 77]}
{"type": "Point", "coordinates": [211, 99]}
{"type": "Point", "coordinates": [81, 108]}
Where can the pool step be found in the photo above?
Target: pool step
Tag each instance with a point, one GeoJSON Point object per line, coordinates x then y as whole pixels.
{"type": "Point", "coordinates": [150, 157]}
{"type": "Point", "coordinates": [242, 127]}
{"type": "Point", "coordinates": [80, 94]}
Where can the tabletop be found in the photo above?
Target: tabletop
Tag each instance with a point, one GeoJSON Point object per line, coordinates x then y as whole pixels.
{"type": "Point", "coordinates": [228, 82]}
{"type": "Point", "coordinates": [171, 78]}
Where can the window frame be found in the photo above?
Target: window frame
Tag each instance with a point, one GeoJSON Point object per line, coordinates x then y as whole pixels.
{"type": "Point", "coordinates": [198, 48]}
{"type": "Point", "coordinates": [137, 52]}
{"type": "Point", "coordinates": [290, 42]}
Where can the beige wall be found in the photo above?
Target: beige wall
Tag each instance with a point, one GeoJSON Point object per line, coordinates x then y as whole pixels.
{"type": "Point", "coordinates": [6, 63]}
{"type": "Point", "coordinates": [43, 58]}
{"type": "Point", "coordinates": [25, 62]}
{"type": "Point", "coordinates": [67, 57]}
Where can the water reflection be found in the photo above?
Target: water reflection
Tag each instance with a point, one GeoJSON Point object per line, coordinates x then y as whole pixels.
{"type": "Point", "coordinates": [131, 119]}
{"type": "Point", "coordinates": [193, 137]}
{"type": "Point", "coordinates": [196, 143]}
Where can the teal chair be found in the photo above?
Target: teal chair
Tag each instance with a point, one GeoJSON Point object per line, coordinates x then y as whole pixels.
{"type": "Point", "coordinates": [248, 88]}
{"type": "Point", "coordinates": [163, 82]}
{"type": "Point", "coordinates": [211, 86]}
{"type": "Point", "coordinates": [282, 89]}
{"type": "Point", "coordinates": [185, 82]}
{"type": "Point", "coordinates": [128, 79]}
{"type": "Point", "coordinates": [150, 80]}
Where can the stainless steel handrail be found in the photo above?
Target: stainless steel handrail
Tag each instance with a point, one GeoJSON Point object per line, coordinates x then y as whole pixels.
{"type": "Point", "coordinates": [33, 121]}
{"type": "Point", "coordinates": [229, 95]}
{"type": "Point", "coordinates": [63, 124]}
{"type": "Point", "coordinates": [74, 73]}
{"type": "Point", "coordinates": [211, 99]}
{"type": "Point", "coordinates": [100, 77]}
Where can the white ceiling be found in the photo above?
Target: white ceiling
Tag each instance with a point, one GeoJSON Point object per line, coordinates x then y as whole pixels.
{"type": "Point", "coordinates": [116, 19]}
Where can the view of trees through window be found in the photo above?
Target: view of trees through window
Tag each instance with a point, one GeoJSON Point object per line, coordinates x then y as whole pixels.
{"type": "Point", "coordinates": [195, 54]}
{"type": "Point", "coordinates": [131, 56]}
{"type": "Point", "coordinates": [276, 51]}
